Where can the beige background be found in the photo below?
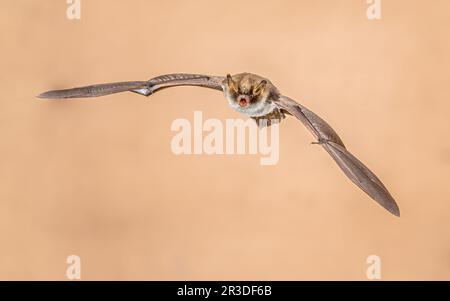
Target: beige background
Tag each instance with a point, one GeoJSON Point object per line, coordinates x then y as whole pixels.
{"type": "Point", "coordinates": [97, 178]}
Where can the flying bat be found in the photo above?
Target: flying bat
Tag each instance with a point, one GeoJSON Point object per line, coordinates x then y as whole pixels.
{"type": "Point", "coordinates": [258, 98]}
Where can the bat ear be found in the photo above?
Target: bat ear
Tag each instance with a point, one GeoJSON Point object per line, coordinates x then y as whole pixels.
{"type": "Point", "coordinates": [260, 88]}
{"type": "Point", "coordinates": [231, 83]}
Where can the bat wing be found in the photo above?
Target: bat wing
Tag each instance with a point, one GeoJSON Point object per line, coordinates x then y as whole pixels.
{"type": "Point", "coordinates": [354, 169]}
{"type": "Point", "coordinates": [145, 88]}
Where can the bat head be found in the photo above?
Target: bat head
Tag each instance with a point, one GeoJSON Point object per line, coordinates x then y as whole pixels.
{"type": "Point", "coordinates": [248, 93]}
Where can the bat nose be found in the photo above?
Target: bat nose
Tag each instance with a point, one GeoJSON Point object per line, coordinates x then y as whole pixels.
{"type": "Point", "coordinates": [243, 100]}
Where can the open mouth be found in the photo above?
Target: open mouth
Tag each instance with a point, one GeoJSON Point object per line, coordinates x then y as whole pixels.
{"type": "Point", "coordinates": [243, 102]}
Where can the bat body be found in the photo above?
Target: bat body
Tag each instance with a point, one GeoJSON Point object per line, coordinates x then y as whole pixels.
{"type": "Point", "coordinates": [258, 98]}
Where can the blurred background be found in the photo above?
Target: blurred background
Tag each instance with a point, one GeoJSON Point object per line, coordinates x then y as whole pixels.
{"type": "Point", "coordinates": [97, 178]}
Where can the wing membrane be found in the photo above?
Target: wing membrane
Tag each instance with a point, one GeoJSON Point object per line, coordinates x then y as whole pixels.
{"type": "Point", "coordinates": [145, 88]}
{"type": "Point", "coordinates": [354, 169]}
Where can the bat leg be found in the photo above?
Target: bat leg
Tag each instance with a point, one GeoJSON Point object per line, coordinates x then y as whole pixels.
{"type": "Point", "coordinates": [268, 120]}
